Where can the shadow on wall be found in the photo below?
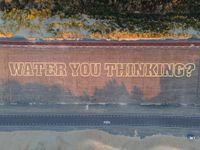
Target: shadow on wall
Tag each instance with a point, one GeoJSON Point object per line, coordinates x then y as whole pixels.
{"type": "Point", "coordinates": [12, 92]}
{"type": "Point", "coordinates": [184, 90]}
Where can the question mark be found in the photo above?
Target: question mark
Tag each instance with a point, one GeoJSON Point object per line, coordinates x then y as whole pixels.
{"type": "Point", "coordinates": [189, 69]}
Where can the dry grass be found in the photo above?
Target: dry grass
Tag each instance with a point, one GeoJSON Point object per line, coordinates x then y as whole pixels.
{"type": "Point", "coordinates": [6, 34]}
{"type": "Point", "coordinates": [138, 35]}
{"type": "Point", "coordinates": [116, 35]}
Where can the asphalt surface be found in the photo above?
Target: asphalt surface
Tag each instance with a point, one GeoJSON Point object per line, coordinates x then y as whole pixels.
{"type": "Point", "coordinates": [98, 120]}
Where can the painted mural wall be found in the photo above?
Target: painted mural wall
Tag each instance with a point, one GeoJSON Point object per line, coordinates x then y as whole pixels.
{"type": "Point", "coordinates": [100, 74]}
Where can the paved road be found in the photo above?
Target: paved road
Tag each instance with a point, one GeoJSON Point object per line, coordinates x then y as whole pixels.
{"type": "Point", "coordinates": [98, 120]}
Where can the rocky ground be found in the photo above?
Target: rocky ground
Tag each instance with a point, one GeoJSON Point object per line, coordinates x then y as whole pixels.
{"type": "Point", "coordinates": [90, 140]}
